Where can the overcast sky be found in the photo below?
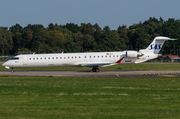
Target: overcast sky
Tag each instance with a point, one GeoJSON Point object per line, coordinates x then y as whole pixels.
{"type": "Point", "coordinates": [110, 13]}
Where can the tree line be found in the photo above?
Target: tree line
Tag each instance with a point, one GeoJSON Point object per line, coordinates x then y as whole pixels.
{"type": "Point", "coordinates": [88, 37]}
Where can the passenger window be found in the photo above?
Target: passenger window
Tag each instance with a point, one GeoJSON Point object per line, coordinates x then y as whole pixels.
{"type": "Point", "coordinates": [37, 58]}
{"type": "Point", "coordinates": [98, 56]}
{"type": "Point", "coordinates": [41, 58]}
{"type": "Point", "coordinates": [29, 58]}
{"type": "Point", "coordinates": [33, 58]}
{"type": "Point", "coordinates": [72, 57]}
{"type": "Point", "coordinates": [109, 55]}
{"type": "Point", "coordinates": [56, 57]}
{"type": "Point", "coordinates": [85, 57]}
{"type": "Point", "coordinates": [94, 57]}
{"type": "Point", "coordinates": [102, 56]}
{"type": "Point", "coordinates": [48, 57]}
{"type": "Point", "coordinates": [68, 57]}
{"type": "Point", "coordinates": [113, 55]}
{"type": "Point", "coordinates": [117, 55]}
{"type": "Point", "coordinates": [45, 58]}
{"type": "Point", "coordinates": [106, 56]}
{"type": "Point", "coordinates": [52, 57]}
{"type": "Point", "coordinates": [75, 57]}
{"type": "Point", "coordinates": [64, 57]}
{"type": "Point", "coordinates": [79, 56]}
{"type": "Point", "coordinates": [90, 56]}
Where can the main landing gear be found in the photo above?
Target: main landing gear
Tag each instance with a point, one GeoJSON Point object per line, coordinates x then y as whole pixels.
{"type": "Point", "coordinates": [95, 69]}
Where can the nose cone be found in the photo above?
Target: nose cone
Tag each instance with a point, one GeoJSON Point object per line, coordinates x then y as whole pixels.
{"type": "Point", "coordinates": [5, 64]}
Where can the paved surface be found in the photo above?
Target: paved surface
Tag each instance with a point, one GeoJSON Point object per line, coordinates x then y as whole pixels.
{"type": "Point", "coordinates": [92, 74]}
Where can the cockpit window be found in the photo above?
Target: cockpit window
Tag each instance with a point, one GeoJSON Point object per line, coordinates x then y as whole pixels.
{"type": "Point", "coordinates": [15, 58]}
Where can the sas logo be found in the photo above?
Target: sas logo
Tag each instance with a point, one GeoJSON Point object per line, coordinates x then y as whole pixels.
{"type": "Point", "coordinates": [156, 46]}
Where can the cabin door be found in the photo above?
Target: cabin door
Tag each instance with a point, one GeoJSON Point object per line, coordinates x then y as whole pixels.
{"type": "Point", "coordinates": [25, 59]}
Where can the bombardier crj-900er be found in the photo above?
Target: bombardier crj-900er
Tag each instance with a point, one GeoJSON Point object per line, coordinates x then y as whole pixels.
{"type": "Point", "coordinates": [92, 59]}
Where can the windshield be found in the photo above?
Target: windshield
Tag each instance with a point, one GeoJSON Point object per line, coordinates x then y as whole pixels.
{"type": "Point", "coordinates": [15, 58]}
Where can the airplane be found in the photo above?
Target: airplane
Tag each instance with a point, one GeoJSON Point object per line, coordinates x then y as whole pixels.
{"type": "Point", "coordinates": [90, 59]}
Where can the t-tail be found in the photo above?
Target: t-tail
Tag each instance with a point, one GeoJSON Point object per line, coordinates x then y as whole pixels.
{"type": "Point", "coordinates": [151, 52]}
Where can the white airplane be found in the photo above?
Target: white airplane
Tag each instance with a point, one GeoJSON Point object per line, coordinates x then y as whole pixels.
{"type": "Point", "coordinates": [92, 59]}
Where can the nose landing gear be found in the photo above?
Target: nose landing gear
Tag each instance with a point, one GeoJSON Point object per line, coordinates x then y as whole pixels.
{"type": "Point", "coordinates": [12, 70]}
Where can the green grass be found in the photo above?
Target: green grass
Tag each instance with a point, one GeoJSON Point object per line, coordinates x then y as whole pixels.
{"type": "Point", "coordinates": [90, 97]}
{"type": "Point", "coordinates": [141, 66]}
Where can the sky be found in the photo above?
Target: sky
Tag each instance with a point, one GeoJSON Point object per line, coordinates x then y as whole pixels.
{"type": "Point", "coordinates": [112, 13]}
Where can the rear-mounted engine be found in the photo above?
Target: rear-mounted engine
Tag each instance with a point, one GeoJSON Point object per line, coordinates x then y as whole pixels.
{"type": "Point", "coordinates": [133, 54]}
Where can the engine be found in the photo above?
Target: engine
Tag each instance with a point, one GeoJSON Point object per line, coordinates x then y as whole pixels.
{"type": "Point", "coordinates": [133, 54]}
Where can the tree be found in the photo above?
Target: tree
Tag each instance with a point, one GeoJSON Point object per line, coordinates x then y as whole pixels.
{"type": "Point", "coordinates": [6, 42]}
{"type": "Point", "coordinates": [31, 34]}
{"type": "Point", "coordinates": [69, 44]}
{"type": "Point", "coordinates": [138, 38]}
{"type": "Point", "coordinates": [97, 28]}
{"type": "Point", "coordinates": [16, 28]}
{"type": "Point", "coordinates": [171, 28]}
{"type": "Point", "coordinates": [18, 41]}
{"type": "Point", "coordinates": [74, 28]}
{"type": "Point", "coordinates": [115, 41]}
{"type": "Point", "coordinates": [78, 40]}
{"type": "Point", "coordinates": [87, 29]}
{"type": "Point", "coordinates": [97, 33]}
{"type": "Point", "coordinates": [124, 39]}
{"type": "Point", "coordinates": [51, 27]}
{"type": "Point", "coordinates": [105, 41]}
{"type": "Point", "coordinates": [39, 45]}
{"type": "Point", "coordinates": [29, 37]}
{"type": "Point", "coordinates": [88, 43]}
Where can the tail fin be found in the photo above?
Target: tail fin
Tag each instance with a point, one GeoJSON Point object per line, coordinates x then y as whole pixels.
{"type": "Point", "coordinates": [156, 45]}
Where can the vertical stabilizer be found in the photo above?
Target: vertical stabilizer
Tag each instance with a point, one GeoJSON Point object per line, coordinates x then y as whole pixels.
{"type": "Point", "coordinates": [156, 45]}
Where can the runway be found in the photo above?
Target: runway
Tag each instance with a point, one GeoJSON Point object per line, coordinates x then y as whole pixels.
{"type": "Point", "coordinates": [103, 73]}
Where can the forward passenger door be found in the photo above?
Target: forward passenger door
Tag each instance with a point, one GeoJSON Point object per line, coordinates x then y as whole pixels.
{"type": "Point", "coordinates": [25, 59]}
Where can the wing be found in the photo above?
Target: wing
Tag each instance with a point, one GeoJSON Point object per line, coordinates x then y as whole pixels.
{"type": "Point", "coordinates": [94, 64]}
{"type": "Point", "coordinates": [99, 64]}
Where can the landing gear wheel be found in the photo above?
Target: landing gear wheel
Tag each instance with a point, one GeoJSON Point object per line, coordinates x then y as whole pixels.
{"type": "Point", "coordinates": [95, 69]}
{"type": "Point", "coordinates": [12, 70]}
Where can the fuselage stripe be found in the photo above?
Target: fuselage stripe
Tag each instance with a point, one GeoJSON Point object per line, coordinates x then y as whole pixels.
{"type": "Point", "coordinates": [119, 61]}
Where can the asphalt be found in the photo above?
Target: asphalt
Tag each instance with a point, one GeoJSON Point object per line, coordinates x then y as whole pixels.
{"type": "Point", "coordinates": [105, 73]}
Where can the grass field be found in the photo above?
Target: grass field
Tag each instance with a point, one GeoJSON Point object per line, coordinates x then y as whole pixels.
{"type": "Point", "coordinates": [90, 97]}
{"type": "Point", "coordinates": [141, 66]}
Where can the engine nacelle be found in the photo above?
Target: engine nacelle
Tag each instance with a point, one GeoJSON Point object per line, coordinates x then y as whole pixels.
{"type": "Point", "coordinates": [131, 54]}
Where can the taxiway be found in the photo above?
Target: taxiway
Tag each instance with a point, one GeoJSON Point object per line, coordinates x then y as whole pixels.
{"type": "Point", "coordinates": [81, 73]}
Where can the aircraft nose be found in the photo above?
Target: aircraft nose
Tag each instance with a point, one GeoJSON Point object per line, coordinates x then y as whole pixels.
{"type": "Point", "coordinates": [4, 64]}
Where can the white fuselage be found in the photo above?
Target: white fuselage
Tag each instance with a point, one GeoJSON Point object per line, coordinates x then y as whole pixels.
{"type": "Point", "coordinates": [71, 59]}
